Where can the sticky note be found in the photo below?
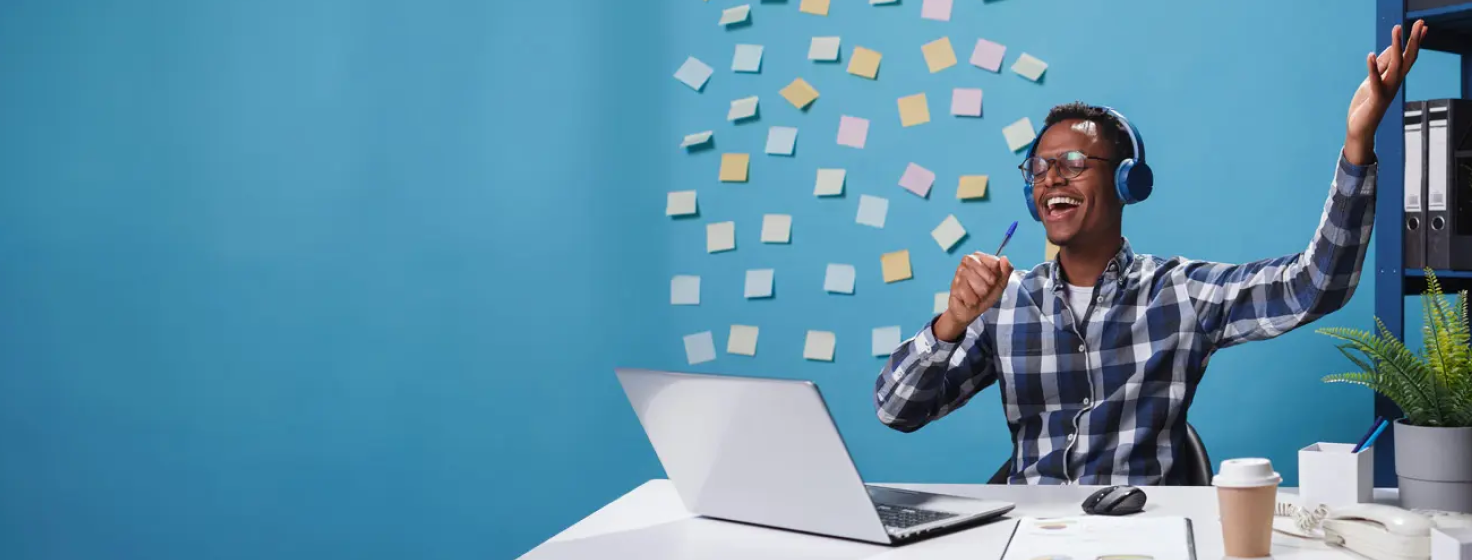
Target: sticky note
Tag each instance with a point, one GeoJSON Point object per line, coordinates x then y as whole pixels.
{"type": "Point", "coordinates": [1029, 67]}
{"type": "Point", "coordinates": [853, 131]}
{"type": "Point", "coordinates": [819, 346]}
{"type": "Point", "coordinates": [966, 102]}
{"type": "Point", "coordinates": [880, 2]}
{"type": "Point", "coordinates": [1019, 134]}
{"type": "Point", "coordinates": [1049, 250]}
{"type": "Point", "coordinates": [914, 110]}
{"type": "Point", "coordinates": [781, 140]}
{"type": "Point", "coordinates": [896, 265]}
{"type": "Point", "coordinates": [700, 348]}
{"type": "Point", "coordinates": [971, 187]}
{"type": "Point", "coordinates": [830, 182]}
{"type": "Point", "coordinates": [737, 14]}
{"type": "Point", "coordinates": [988, 55]}
{"type": "Point", "coordinates": [742, 340]}
{"type": "Point", "coordinates": [720, 236]}
{"type": "Point", "coordinates": [948, 233]}
{"type": "Point", "coordinates": [759, 283]}
{"type": "Point", "coordinates": [699, 138]}
{"type": "Point", "coordinates": [815, 7]}
{"type": "Point", "coordinates": [823, 48]}
{"type": "Point", "coordinates": [939, 55]}
{"type": "Point", "coordinates": [799, 93]}
{"type": "Point", "coordinates": [942, 301]}
{"type": "Point", "coordinates": [938, 10]}
{"type": "Point", "coordinates": [917, 180]}
{"type": "Point", "coordinates": [884, 340]}
{"type": "Point", "coordinates": [679, 203]}
{"type": "Point", "coordinates": [743, 108]}
{"type": "Point", "coordinates": [694, 73]}
{"type": "Point", "coordinates": [748, 58]}
{"type": "Point", "coordinates": [872, 210]}
{"type": "Point", "coordinates": [839, 279]}
{"type": "Point", "coordinates": [733, 167]}
{"type": "Point", "coordinates": [685, 290]}
{"type": "Point", "coordinates": [776, 228]}
{"type": "Point", "coordinates": [864, 62]}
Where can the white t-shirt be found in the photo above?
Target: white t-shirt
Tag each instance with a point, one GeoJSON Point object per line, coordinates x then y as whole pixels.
{"type": "Point", "coordinates": [1078, 301]}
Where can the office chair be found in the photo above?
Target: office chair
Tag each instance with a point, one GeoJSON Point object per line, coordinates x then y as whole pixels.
{"type": "Point", "coordinates": [1192, 461]}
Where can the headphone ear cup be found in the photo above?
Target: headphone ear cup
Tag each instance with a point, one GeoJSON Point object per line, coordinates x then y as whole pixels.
{"type": "Point", "coordinates": [1032, 207]}
{"type": "Point", "coordinates": [1122, 178]}
{"type": "Point", "coordinates": [1133, 183]}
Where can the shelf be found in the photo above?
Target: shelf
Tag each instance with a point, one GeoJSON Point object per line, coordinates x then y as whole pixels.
{"type": "Point", "coordinates": [1452, 281]}
{"type": "Point", "coordinates": [1451, 27]}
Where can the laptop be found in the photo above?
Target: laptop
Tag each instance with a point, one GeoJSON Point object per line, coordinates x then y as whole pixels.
{"type": "Point", "coordinates": [767, 452]}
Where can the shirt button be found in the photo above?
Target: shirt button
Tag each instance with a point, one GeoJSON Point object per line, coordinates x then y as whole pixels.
{"type": "Point", "coordinates": [1099, 299]}
{"type": "Point", "coordinates": [1086, 402]}
{"type": "Point", "coordinates": [1081, 348]}
{"type": "Point", "coordinates": [1070, 437]}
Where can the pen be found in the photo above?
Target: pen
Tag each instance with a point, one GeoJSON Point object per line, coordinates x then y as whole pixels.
{"type": "Point", "coordinates": [1010, 230]}
{"type": "Point", "coordinates": [1378, 429]}
{"type": "Point", "coordinates": [1366, 437]}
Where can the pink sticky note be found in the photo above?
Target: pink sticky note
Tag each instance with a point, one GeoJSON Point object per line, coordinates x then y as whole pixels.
{"type": "Point", "coordinates": [939, 10]}
{"type": "Point", "coordinates": [917, 180]}
{"type": "Point", "coordinates": [853, 131]}
{"type": "Point", "coordinates": [988, 55]}
{"type": "Point", "coordinates": [966, 102]}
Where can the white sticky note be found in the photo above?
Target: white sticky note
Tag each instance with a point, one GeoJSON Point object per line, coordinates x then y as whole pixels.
{"type": "Point", "coordinates": [742, 340]}
{"type": "Point", "coordinates": [679, 203]}
{"type": "Point", "coordinates": [742, 108]}
{"type": "Point", "coordinates": [879, 2]}
{"type": "Point", "coordinates": [692, 140]}
{"type": "Point", "coordinates": [737, 14]}
{"type": "Point", "coordinates": [685, 290]}
{"type": "Point", "coordinates": [884, 340]}
{"type": "Point", "coordinates": [1028, 66]}
{"type": "Point", "coordinates": [777, 228]}
{"type": "Point", "coordinates": [819, 346]}
{"type": "Point", "coordinates": [839, 279]}
{"type": "Point", "coordinates": [720, 236]}
{"type": "Point", "coordinates": [694, 73]}
{"type": "Point", "coordinates": [781, 140]}
{"type": "Point", "coordinates": [748, 58]}
{"type": "Point", "coordinates": [759, 283]}
{"type": "Point", "coordinates": [700, 348]}
{"type": "Point", "coordinates": [824, 48]}
{"type": "Point", "coordinates": [942, 301]}
{"type": "Point", "coordinates": [948, 233]}
{"type": "Point", "coordinates": [872, 210]}
{"type": "Point", "coordinates": [938, 10]}
{"type": "Point", "coordinates": [830, 182]}
{"type": "Point", "coordinates": [1019, 134]}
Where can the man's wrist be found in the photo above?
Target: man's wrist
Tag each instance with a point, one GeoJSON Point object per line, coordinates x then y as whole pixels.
{"type": "Point", "coordinates": [947, 329]}
{"type": "Point", "coordinates": [1359, 151]}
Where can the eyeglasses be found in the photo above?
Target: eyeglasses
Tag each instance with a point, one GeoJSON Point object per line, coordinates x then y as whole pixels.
{"type": "Point", "coordinates": [1072, 164]}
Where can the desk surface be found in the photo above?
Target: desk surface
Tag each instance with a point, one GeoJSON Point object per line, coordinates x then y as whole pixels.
{"type": "Point", "coordinates": [650, 523]}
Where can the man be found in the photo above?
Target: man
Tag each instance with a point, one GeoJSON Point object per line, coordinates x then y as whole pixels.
{"type": "Point", "coordinates": [1098, 353]}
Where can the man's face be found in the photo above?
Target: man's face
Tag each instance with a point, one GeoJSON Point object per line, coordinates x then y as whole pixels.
{"type": "Point", "coordinates": [1075, 196]}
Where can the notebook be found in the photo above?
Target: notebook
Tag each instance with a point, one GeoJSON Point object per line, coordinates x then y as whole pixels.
{"type": "Point", "coordinates": [1102, 538]}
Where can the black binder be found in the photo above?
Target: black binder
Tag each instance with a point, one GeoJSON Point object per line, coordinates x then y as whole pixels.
{"type": "Point", "coordinates": [1449, 170]}
{"type": "Point", "coordinates": [1413, 248]}
{"type": "Point", "coordinates": [1438, 219]}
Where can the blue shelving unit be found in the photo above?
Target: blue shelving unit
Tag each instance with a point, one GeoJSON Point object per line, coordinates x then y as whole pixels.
{"type": "Point", "coordinates": [1451, 31]}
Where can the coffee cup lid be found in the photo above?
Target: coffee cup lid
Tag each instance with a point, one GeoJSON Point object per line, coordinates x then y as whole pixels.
{"type": "Point", "coordinates": [1246, 473]}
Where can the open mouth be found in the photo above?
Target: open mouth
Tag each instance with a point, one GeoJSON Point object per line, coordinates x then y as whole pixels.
{"type": "Point", "coordinates": [1061, 207]}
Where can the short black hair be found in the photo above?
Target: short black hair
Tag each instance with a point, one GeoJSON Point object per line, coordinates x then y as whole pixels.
{"type": "Point", "coordinates": [1110, 127]}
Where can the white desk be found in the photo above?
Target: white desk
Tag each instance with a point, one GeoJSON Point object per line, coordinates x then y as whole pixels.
{"type": "Point", "coordinates": [650, 523]}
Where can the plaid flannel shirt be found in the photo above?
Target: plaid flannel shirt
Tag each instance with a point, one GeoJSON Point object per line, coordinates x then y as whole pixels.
{"type": "Point", "coordinates": [1104, 402]}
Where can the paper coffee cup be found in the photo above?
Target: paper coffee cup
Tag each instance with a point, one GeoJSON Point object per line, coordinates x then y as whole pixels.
{"type": "Point", "coordinates": [1246, 491]}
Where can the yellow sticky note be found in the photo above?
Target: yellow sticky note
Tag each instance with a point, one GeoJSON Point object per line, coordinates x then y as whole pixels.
{"type": "Point", "coordinates": [972, 186]}
{"type": "Point", "coordinates": [1049, 250]}
{"type": "Point", "coordinates": [799, 93]}
{"type": "Point", "coordinates": [733, 167]}
{"type": "Point", "coordinates": [864, 62]}
{"type": "Point", "coordinates": [914, 110]}
{"type": "Point", "coordinates": [939, 55]}
{"type": "Point", "coordinates": [815, 7]}
{"type": "Point", "coordinates": [896, 266]}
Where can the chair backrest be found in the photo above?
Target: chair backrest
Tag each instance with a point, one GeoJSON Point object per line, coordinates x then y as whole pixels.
{"type": "Point", "coordinates": [1192, 467]}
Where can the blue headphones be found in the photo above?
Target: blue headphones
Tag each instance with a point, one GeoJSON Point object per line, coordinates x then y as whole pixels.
{"type": "Point", "coordinates": [1133, 179]}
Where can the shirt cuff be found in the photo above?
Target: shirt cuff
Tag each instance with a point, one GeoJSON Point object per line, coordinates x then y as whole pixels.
{"type": "Point", "coordinates": [1356, 179]}
{"type": "Point", "coordinates": [928, 342]}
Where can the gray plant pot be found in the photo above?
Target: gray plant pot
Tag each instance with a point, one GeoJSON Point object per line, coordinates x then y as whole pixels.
{"type": "Point", "coordinates": [1434, 466]}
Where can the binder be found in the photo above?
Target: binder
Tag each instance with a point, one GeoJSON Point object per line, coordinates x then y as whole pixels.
{"type": "Point", "coordinates": [1438, 220]}
{"type": "Point", "coordinates": [1450, 156]}
{"type": "Point", "coordinates": [1413, 248]}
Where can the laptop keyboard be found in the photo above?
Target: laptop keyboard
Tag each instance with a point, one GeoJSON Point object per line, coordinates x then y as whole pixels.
{"type": "Point", "coordinates": [903, 518]}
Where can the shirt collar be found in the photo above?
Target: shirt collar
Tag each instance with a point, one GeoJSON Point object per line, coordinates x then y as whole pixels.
{"type": "Point", "coordinates": [1114, 271]}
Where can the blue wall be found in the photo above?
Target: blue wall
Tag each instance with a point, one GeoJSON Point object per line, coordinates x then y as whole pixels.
{"type": "Point", "coordinates": [349, 278]}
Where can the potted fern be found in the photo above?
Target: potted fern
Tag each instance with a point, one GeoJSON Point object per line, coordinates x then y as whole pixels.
{"type": "Point", "coordinates": [1433, 441]}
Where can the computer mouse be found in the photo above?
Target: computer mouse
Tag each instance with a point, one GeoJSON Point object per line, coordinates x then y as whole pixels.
{"type": "Point", "coordinates": [1115, 500]}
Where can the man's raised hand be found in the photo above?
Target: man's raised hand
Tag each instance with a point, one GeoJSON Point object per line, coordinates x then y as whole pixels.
{"type": "Point", "coordinates": [1386, 74]}
{"type": "Point", "coordinates": [978, 285]}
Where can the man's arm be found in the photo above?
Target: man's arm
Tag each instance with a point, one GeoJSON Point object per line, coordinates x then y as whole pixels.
{"type": "Point", "coordinates": [926, 378]}
{"type": "Point", "coordinates": [1264, 299]}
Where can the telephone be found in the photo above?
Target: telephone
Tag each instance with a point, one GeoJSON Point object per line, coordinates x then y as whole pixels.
{"type": "Point", "coordinates": [1385, 532]}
